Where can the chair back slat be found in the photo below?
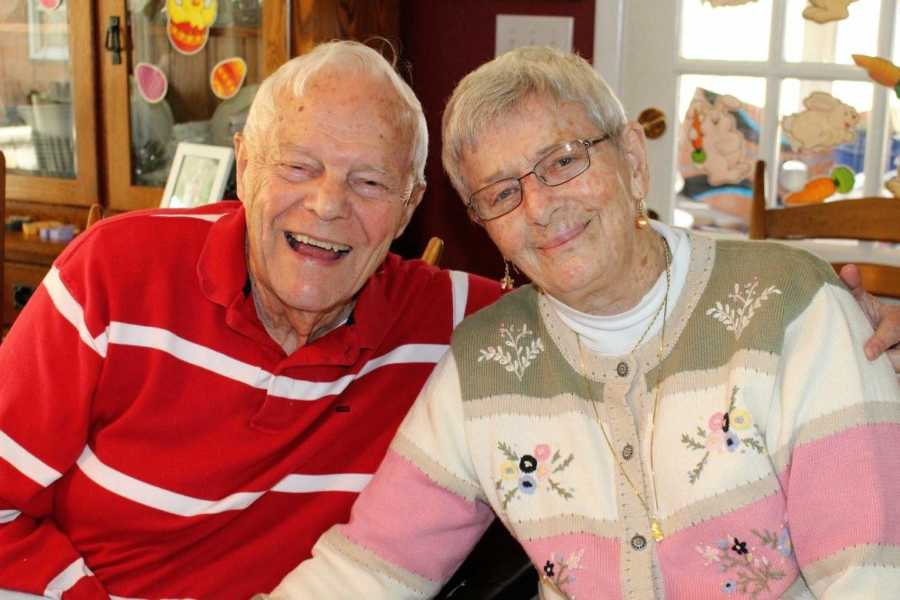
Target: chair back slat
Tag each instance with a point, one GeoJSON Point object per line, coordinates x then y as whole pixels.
{"type": "Point", "coordinates": [875, 219]}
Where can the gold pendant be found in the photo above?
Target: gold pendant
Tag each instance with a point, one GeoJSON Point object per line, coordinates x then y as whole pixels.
{"type": "Point", "coordinates": [656, 530]}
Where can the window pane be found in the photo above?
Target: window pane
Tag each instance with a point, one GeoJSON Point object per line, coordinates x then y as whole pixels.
{"type": "Point", "coordinates": [832, 42]}
{"type": "Point", "coordinates": [37, 131]}
{"type": "Point", "coordinates": [726, 32]}
{"type": "Point", "coordinates": [822, 138]}
{"type": "Point", "coordinates": [717, 146]}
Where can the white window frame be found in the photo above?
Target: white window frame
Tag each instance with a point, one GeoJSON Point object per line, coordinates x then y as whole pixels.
{"type": "Point", "coordinates": [613, 57]}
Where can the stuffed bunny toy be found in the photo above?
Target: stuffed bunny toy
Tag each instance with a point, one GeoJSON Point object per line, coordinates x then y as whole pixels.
{"type": "Point", "coordinates": [825, 123]}
{"type": "Point", "coordinates": [823, 11]}
{"type": "Point", "coordinates": [725, 159]}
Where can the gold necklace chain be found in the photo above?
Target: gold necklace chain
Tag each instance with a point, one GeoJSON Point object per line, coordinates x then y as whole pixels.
{"type": "Point", "coordinates": [655, 526]}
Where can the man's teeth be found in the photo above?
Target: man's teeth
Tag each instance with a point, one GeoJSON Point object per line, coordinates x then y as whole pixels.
{"type": "Point", "coordinates": [299, 238]}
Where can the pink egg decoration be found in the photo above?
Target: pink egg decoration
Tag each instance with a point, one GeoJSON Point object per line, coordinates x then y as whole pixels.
{"type": "Point", "coordinates": [151, 82]}
{"type": "Point", "coordinates": [50, 4]}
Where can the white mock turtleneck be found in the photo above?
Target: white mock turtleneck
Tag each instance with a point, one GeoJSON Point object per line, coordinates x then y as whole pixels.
{"type": "Point", "coordinates": [617, 334]}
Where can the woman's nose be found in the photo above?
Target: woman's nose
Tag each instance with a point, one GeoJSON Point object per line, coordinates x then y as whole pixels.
{"type": "Point", "coordinates": [536, 199]}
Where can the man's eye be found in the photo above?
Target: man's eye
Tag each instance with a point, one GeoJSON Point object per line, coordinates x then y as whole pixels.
{"type": "Point", "coordinates": [505, 195]}
{"type": "Point", "coordinates": [563, 161]}
{"type": "Point", "coordinates": [296, 171]}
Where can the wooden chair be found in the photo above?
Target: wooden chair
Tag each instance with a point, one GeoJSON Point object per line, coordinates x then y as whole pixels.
{"type": "Point", "coordinates": [95, 213]}
{"type": "Point", "coordinates": [433, 251]}
{"type": "Point", "coordinates": [876, 219]}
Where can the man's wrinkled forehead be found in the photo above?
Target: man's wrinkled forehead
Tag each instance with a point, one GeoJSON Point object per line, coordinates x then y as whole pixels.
{"type": "Point", "coordinates": [337, 95]}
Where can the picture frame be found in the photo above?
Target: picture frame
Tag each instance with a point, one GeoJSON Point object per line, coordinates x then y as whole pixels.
{"type": "Point", "coordinates": [48, 32]}
{"type": "Point", "coordinates": [197, 176]}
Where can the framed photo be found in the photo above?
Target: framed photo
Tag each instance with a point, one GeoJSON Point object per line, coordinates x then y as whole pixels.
{"type": "Point", "coordinates": [48, 30]}
{"type": "Point", "coordinates": [198, 175]}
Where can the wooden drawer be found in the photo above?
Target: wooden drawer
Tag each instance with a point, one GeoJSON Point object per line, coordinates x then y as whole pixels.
{"type": "Point", "coordinates": [19, 279]}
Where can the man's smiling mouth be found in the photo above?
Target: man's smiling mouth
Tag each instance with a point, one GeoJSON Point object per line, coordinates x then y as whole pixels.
{"type": "Point", "coordinates": [298, 240]}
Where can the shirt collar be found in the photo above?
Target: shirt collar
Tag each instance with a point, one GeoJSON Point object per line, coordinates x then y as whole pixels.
{"type": "Point", "coordinates": [223, 276]}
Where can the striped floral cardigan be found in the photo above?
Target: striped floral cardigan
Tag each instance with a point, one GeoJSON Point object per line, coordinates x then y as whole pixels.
{"type": "Point", "coordinates": [775, 453]}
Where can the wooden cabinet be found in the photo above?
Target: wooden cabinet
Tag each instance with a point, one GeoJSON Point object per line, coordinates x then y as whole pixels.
{"type": "Point", "coordinates": [76, 131]}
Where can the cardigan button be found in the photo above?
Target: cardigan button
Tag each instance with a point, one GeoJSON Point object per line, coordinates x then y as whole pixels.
{"type": "Point", "coordinates": [627, 451]}
{"type": "Point", "coordinates": [622, 369]}
{"type": "Point", "coordinates": [638, 542]}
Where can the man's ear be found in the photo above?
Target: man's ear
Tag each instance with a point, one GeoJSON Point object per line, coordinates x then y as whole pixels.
{"type": "Point", "coordinates": [409, 207]}
{"type": "Point", "coordinates": [240, 162]}
{"type": "Point", "coordinates": [634, 150]}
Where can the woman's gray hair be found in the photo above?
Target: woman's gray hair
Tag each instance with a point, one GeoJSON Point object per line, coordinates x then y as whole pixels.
{"type": "Point", "coordinates": [498, 87]}
{"type": "Point", "coordinates": [342, 55]}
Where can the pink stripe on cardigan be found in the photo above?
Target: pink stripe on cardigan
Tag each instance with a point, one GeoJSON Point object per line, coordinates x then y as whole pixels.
{"type": "Point", "coordinates": [418, 525]}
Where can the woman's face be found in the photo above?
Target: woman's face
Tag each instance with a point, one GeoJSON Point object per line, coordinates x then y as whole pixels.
{"type": "Point", "coordinates": [577, 241]}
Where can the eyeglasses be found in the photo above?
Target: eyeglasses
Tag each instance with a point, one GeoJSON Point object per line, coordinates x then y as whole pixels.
{"type": "Point", "coordinates": [562, 164]}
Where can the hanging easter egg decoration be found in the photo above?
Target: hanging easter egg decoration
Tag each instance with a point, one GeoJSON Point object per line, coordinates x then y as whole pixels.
{"type": "Point", "coordinates": [880, 70]}
{"type": "Point", "coordinates": [49, 5]}
{"type": "Point", "coordinates": [825, 11]}
{"type": "Point", "coordinates": [227, 77]}
{"type": "Point", "coordinates": [841, 180]}
{"type": "Point", "coordinates": [151, 82]}
{"type": "Point", "coordinates": [189, 23]}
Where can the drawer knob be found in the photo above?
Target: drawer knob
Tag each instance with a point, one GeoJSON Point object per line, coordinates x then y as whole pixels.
{"type": "Point", "coordinates": [21, 294]}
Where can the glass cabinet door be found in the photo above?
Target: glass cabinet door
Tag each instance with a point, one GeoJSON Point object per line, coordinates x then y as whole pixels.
{"type": "Point", "coordinates": [47, 123]}
{"type": "Point", "coordinates": [190, 71]}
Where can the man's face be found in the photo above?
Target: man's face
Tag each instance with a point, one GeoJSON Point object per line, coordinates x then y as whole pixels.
{"type": "Point", "coordinates": [327, 192]}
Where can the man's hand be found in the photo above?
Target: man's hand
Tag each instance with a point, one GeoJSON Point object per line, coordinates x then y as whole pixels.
{"type": "Point", "coordinates": [884, 317]}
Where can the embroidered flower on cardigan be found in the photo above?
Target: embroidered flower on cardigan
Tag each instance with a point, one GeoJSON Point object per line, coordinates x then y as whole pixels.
{"type": "Point", "coordinates": [747, 300]}
{"type": "Point", "coordinates": [721, 437]}
{"type": "Point", "coordinates": [747, 568]}
{"type": "Point", "coordinates": [558, 571]}
{"type": "Point", "coordinates": [516, 352]}
{"type": "Point", "coordinates": [526, 473]}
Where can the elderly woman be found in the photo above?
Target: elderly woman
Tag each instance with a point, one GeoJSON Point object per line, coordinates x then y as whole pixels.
{"type": "Point", "coordinates": [659, 415]}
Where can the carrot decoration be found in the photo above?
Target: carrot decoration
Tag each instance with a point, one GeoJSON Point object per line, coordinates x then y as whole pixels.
{"type": "Point", "coordinates": [698, 156]}
{"type": "Point", "coordinates": [880, 70]}
{"type": "Point", "coordinates": [817, 190]}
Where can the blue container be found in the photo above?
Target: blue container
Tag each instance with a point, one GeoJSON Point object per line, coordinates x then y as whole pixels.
{"type": "Point", "coordinates": [854, 155]}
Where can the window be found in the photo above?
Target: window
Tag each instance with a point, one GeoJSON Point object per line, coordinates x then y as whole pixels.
{"type": "Point", "coordinates": [726, 77]}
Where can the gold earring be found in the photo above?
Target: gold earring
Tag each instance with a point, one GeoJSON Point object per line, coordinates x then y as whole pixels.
{"type": "Point", "coordinates": [641, 221]}
{"type": "Point", "coordinates": [506, 282]}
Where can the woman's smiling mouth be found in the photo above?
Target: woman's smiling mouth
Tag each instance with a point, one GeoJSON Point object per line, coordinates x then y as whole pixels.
{"type": "Point", "coordinates": [565, 236]}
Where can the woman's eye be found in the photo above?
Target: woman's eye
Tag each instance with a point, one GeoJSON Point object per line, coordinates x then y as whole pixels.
{"type": "Point", "coordinates": [506, 194]}
{"type": "Point", "coordinates": [563, 162]}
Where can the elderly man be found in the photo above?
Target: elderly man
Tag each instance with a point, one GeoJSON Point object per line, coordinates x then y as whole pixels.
{"type": "Point", "coordinates": [192, 397]}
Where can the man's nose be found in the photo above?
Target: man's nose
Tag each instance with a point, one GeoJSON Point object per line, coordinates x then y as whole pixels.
{"type": "Point", "coordinates": [330, 200]}
{"type": "Point", "coordinates": [537, 199]}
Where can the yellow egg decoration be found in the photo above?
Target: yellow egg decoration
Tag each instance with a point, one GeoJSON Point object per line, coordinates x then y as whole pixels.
{"type": "Point", "coordinates": [189, 23]}
{"type": "Point", "coordinates": [227, 77]}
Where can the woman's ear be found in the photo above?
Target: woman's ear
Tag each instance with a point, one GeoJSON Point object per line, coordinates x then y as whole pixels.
{"type": "Point", "coordinates": [634, 150]}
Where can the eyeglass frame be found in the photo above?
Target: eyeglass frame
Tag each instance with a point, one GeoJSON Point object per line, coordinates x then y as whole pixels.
{"type": "Point", "coordinates": [587, 143]}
